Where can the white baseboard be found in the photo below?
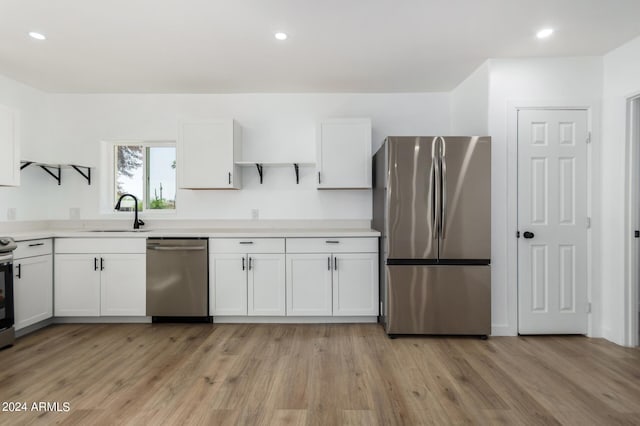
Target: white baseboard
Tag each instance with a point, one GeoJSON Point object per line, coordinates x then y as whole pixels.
{"type": "Point", "coordinates": [102, 320]}
{"type": "Point", "coordinates": [293, 320]}
{"type": "Point", "coordinates": [34, 327]}
{"type": "Point", "coordinates": [503, 330]}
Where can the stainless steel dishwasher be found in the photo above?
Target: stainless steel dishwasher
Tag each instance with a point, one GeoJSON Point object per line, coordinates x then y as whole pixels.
{"type": "Point", "coordinates": [177, 279]}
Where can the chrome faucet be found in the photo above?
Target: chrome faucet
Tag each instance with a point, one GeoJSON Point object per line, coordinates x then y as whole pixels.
{"type": "Point", "coordinates": [136, 222]}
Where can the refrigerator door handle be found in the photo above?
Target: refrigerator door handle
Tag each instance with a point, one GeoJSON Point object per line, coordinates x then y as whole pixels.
{"type": "Point", "coordinates": [435, 180]}
{"type": "Point", "coordinates": [443, 188]}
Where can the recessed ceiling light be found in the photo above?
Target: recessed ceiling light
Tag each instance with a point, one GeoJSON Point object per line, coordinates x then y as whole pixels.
{"type": "Point", "coordinates": [37, 36]}
{"type": "Point", "coordinates": [544, 33]}
{"type": "Point", "coordinates": [280, 36]}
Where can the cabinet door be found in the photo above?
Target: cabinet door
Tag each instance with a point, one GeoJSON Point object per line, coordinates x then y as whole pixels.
{"type": "Point", "coordinates": [266, 284]}
{"type": "Point", "coordinates": [77, 285]}
{"type": "Point", "coordinates": [344, 153]}
{"type": "Point", "coordinates": [355, 284]}
{"type": "Point", "coordinates": [10, 147]}
{"type": "Point", "coordinates": [309, 284]}
{"type": "Point", "coordinates": [33, 290]}
{"type": "Point", "coordinates": [205, 154]}
{"type": "Point", "coordinates": [123, 285]}
{"type": "Point", "coordinates": [228, 285]}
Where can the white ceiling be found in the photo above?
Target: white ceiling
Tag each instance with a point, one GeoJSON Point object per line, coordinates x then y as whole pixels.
{"type": "Point", "coordinates": [223, 46]}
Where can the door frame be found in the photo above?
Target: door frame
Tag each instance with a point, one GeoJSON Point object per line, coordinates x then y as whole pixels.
{"type": "Point", "coordinates": [592, 107]}
{"type": "Point", "coordinates": [632, 221]}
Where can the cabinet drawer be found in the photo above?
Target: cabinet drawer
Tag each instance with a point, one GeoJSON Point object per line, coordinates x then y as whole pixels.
{"type": "Point", "coordinates": [101, 245]}
{"type": "Point", "coordinates": [246, 245]}
{"type": "Point", "coordinates": [332, 245]}
{"type": "Point", "coordinates": [32, 248]}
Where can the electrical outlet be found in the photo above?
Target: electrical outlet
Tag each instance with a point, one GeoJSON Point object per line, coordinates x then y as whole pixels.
{"type": "Point", "coordinates": [74, 213]}
{"type": "Point", "coordinates": [11, 213]}
{"type": "Point", "coordinates": [255, 214]}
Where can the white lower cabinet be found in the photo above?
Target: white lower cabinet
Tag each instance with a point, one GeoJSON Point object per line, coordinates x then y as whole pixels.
{"type": "Point", "coordinates": [266, 285]}
{"type": "Point", "coordinates": [355, 284]}
{"type": "Point", "coordinates": [122, 285]}
{"type": "Point", "coordinates": [100, 283]}
{"type": "Point", "coordinates": [309, 284]}
{"type": "Point", "coordinates": [247, 277]}
{"type": "Point", "coordinates": [33, 290]}
{"type": "Point", "coordinates": [77, 285]}
{"type": "Point", "coordinates": [337, 283]}
{"type": "Point", "coordinates": [228, 294]}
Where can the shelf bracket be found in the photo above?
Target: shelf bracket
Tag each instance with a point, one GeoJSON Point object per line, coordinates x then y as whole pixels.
{"type": "Point", "coordinates": [25, 164]}
{"type": "Point", "coordinates": [86, 175]}
{"type": "Point", "coordinates": [259, 167]}
{"type": "Point", "coordinates": [297, 170]}
{"type": "Point", "coordinates": [48, 169]}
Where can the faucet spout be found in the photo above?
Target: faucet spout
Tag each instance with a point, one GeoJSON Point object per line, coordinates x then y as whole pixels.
{"type": "Point", "coordinates": [136, 222]}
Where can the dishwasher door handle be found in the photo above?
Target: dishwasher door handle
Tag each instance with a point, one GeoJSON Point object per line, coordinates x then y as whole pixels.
{"type": "Point", "coordinates": [175, 248]}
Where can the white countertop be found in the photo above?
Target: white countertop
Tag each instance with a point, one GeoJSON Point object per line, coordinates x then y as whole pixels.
{"type": "Point", "coordinates": [195, 233]}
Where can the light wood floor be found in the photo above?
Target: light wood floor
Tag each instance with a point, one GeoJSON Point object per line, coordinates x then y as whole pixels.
{"type": "Point", "coordinates": [315, 374]}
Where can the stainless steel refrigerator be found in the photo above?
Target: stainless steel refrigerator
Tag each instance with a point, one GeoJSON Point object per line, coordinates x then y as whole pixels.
{"type": "Point", "coordinates": [432, 204]}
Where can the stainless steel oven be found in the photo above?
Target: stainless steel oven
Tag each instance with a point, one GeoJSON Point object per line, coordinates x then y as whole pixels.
{"type": "Point", "coordinates": [7, 334]}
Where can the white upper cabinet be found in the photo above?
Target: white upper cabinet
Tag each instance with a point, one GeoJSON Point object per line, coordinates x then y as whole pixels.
{"type": "Point", "coordinates": [344, 153]}
{"type": "Point", "coordinates": [10, 147]}
{"type": "Point", "coordinates": [206, 154]}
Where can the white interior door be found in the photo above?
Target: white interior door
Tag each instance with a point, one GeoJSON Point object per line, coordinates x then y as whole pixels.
{"type": "Point", "coordinates": [552, 221]}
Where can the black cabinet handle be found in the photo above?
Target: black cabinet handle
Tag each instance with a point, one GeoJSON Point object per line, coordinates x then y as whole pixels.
{"type": "Point", "coordinates": [249, 263]}
{"type": "Point", "coordinates": [528, 235]}
{"type": "Point", "coordinates": [95, 263]}
{"type": "Point", "coordinates": [229, 178]}
{"type": "Point", "coordinates": [319, 181]}
{"type": "Point", "coordinates": [335, 263]}
{"type": "Point", "coordinates": [332, 242]}
{"type": "Point", "coordinates": [329, 263]}
{"type": "Point", "coordinates": [246, 242]}
{"type": "Point", "coordinates": [19, 268]}
{"type": "Point", "coordinates": [243, 263]}
{"type": "Point", "coordinates": [101, 264]}
{"type": "Point", "coordinates": [36, 244]}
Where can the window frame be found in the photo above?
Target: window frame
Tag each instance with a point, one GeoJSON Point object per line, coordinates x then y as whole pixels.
{"type": "Point", "coordinates": [110, 189]}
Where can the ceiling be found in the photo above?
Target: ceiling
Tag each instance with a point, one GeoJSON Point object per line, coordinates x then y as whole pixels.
{"type": "Point", "coordinates": [227, 46]}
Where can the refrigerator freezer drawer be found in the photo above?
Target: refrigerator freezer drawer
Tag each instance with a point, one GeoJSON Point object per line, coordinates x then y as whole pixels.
{"type": "Point", "coordinates": [438, 299]}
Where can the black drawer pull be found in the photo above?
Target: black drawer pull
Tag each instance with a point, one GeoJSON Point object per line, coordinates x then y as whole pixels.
{"type": "Point", "coordinates": [246, 242]}
{"type": "Point", "coordinates": [36, 244]}
{"type": "Point", "coordinates": [332, 242]}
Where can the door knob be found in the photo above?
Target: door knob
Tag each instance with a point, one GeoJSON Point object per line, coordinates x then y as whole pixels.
{"type": "Point", "coordinates": [528, 235]}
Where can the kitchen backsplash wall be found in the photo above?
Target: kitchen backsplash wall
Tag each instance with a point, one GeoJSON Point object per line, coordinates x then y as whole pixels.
{"type": "Point", "coordinates": [276, 128]}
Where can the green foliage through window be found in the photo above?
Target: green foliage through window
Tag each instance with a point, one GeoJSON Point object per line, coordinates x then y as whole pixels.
{"type": "Point", "coordinates": [148, 171]}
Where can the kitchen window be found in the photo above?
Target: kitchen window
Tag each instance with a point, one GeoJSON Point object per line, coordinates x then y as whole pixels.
{"type": "Point", "coordinates": [148, 171]}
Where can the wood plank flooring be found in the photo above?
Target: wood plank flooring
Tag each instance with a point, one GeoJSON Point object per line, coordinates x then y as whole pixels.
{"type": "Point", "coordinates": [177, 374]}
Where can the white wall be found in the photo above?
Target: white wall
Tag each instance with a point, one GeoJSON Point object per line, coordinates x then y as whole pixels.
{"type": "Point", "coordinates": [281, 127]}
{"type": "Point", "coordinates": [470, 104]}
{"type": "Point", "coordinates": [33, 109]}
{"type": "Point", "coordinates": [621, 81]}
{"type": "Point", "coordinates": [548, 81]}
{"type": "Point", "coordinates": [276, 127]}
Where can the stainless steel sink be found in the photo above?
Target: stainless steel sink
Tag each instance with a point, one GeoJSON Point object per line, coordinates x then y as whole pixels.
{"type": "Point", "coordinates": [119, 230]}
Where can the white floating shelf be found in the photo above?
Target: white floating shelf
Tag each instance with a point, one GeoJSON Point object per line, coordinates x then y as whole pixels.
{"type": "Point", "coordinates": [55, 169]}
{"type": "Point", "coordinates": [260, 164]}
